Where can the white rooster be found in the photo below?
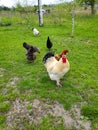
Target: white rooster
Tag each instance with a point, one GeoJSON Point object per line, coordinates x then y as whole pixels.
{"type": "Point", "coordinates": [56, 68]}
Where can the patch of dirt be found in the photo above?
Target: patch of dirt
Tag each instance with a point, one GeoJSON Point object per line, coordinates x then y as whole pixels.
{"type": "Point", "coordinates": [72, 117]}
{"type": "Point", "coordinates": [13, 81]}
{"type": "Point", "coordinates": [33, 112]}
{"type": "Point", "coordinates": [11, 84]}
{"type": "Point", "coordinates": [2, 72]}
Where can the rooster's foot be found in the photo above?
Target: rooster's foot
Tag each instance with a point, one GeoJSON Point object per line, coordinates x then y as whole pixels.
{"type": "Point", "coordinates": [59, 84]}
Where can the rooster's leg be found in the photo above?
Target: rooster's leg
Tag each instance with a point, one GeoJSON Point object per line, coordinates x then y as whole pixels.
{"type": "Point", "coordinates": [58, 83]}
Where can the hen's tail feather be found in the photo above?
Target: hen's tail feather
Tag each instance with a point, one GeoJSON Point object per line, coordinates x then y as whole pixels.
{"type": "Point", "coordinates": [26, 46]}
{"type": "Point", "coordinates": [48, 55]}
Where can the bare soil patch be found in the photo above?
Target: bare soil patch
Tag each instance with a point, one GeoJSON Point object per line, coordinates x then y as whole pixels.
{"type": "Point", "coordinates": [19, 114]}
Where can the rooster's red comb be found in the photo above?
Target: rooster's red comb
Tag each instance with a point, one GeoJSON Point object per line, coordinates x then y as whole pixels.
{"type": "Point", "coordinates": [64, 52]}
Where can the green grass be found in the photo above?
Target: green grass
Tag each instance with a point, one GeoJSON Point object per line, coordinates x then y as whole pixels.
{"type": "Point", "coordinates": [80, 85]}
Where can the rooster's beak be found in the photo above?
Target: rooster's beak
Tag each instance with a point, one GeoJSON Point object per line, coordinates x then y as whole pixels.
{"type": "Point", "coordinates": [38, 51]}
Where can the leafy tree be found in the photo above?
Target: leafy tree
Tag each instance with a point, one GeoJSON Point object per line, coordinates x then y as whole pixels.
{"type": "Point", "coordinates": [19, 7]}
{"type": "Point", "coordinates": [89, 2]}
{"type": "Point", "coordinates": [26, 11]}
{"type": "Point", "coordinates": [4, 8]}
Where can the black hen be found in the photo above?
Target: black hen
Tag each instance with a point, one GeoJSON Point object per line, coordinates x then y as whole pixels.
{"type": "Point", "coordinates": [30, 51]}
{"type": "Point", "coordinates": [49, 43]}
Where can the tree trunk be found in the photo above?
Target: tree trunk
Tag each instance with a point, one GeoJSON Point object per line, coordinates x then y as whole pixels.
{"type": "Point", "coordinates": [73, 13]}
{"type": "Point", "coordinates": [92, 7]}
{"type": "Point", "coordinates": [92, 10]}
{"type": "Point", "coordinates": [40, 13]}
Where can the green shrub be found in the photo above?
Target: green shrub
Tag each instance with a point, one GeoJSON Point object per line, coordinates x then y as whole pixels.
{"type": "Point", "coordinates": [6, 24]}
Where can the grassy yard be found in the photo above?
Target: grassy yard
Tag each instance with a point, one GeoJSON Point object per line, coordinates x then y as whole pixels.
{"type": "Point", "coordinates": [25, 88]}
